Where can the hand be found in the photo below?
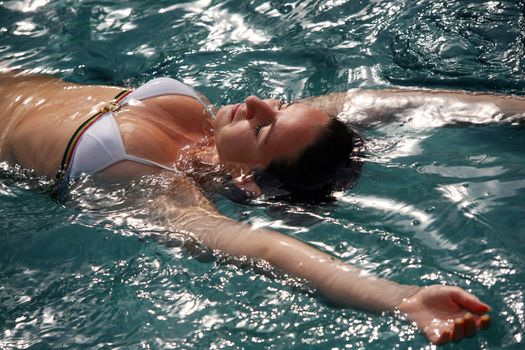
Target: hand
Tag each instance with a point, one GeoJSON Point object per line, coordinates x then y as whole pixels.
{"type": "Point", "coordinates": [446, 313]}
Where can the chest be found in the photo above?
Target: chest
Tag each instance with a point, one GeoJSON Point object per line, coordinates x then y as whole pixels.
{"type": "Point", "coordinates": [161, 128]}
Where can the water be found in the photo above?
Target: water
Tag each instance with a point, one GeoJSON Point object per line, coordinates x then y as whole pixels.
{"type": "Point", "coordinates": [441, 205]}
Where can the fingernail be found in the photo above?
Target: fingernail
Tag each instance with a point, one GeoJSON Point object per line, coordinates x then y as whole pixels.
{"type": "Point", "coordinates": [468, 316]}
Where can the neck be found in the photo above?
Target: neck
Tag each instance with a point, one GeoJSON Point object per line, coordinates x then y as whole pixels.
{"type": "Point", "coordinates": [202, 163]}
{"type": "Point", "coordinates": [199, 157]}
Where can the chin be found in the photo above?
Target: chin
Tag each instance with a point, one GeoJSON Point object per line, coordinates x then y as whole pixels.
{"type": "Point", "coordinates": [222, 117]}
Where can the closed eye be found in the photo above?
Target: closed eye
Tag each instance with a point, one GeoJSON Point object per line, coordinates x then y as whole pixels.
{"type": "Point", "coordinates": [258, 128]}
{"type": "Point", "coordinates": [283, 105]}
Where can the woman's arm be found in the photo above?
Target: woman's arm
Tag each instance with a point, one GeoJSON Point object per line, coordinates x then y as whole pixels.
{"type": "Point", "coordinates": [440, 311]}
{"type": "Point", "coordinates": [366, 107]}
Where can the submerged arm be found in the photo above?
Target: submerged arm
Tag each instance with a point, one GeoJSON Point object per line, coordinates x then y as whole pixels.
{"type": "Point", "coordinates": [338, 281]}
{"type": "Point", "coordinates": [435, 309]}
{"type": "Point", "coordinates": [365, 107]}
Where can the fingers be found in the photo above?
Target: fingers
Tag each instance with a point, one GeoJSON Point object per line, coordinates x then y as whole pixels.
{"type": "Point", "coordinates": [458, 331]}
{"type": "Point", "coordinates": [463, 327]}
{"type": "Point", "coordinates": [469, 301]}
{"type": "Point", "coordinates": [470, 328]}
{"type": "Point", "coordinates": [440, 338]}
{"type": "Point", "coordinates": [470, 322]}
{"type": "Point", "coordinates": [484, 322]}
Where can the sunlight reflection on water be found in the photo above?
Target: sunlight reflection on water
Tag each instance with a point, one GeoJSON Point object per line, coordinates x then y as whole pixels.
{"type": "Point", "coordinates": [432, 205]}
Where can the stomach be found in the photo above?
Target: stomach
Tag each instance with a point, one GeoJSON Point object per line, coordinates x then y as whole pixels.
{"type": "Point", "coordinates": [39, 116]}
{"type": "Point", "coordinates": [432, 205]}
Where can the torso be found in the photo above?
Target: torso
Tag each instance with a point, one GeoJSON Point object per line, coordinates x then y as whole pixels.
{"type": "Point", "coordinates": [42, 113]}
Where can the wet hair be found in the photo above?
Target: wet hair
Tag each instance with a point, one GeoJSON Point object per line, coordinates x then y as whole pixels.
{"type": "Point", "coordinates": [330, 163]}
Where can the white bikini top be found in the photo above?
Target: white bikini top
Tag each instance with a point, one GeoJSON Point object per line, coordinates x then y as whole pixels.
{"type": "Point", "coordinates": [101, 145]}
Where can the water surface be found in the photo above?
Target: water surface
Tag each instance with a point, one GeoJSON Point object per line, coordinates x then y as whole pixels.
{"type": "Point", "coordinates": [432, 205]}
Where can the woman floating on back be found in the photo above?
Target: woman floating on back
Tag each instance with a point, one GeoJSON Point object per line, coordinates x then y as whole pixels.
{"type": "Point", "coordinates": [167, 129]}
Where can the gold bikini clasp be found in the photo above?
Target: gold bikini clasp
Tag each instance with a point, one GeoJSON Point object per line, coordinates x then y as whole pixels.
{"type": "Point", "coordinates": [110, 107]}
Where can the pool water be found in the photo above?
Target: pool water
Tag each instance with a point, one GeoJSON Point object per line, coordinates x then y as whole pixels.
{"type": "Point", "coordinates": [432, 205]}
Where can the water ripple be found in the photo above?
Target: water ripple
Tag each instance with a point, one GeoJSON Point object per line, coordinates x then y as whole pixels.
{"type": "Point", "coordinates": [432, 205]}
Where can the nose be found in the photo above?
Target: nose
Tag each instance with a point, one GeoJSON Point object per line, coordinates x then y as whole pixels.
{"type": "Point", "coordinates": [257, 108]}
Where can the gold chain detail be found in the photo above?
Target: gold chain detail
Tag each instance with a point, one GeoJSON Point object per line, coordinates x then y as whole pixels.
{"type": "Point", "coordinates": [110, 107]}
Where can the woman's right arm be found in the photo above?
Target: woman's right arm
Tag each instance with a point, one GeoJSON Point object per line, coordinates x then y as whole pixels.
{"type": "Point", "coordinates": [443, 313]}
{"type": "Point", "coordinates": [367, 106]}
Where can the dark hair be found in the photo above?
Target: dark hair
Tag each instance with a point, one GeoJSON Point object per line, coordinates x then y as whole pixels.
{"type": "Point", "coordinates": [326, 165]}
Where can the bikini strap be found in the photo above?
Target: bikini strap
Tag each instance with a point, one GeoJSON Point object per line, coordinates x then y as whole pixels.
{"type": "Point", "coordinates": [150, 163]}
{"type": "Point", "coordinates": [110, 107]}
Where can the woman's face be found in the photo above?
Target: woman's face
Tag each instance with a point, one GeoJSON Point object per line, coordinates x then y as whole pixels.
{"type": "Point", "coordinates": [257, 131]}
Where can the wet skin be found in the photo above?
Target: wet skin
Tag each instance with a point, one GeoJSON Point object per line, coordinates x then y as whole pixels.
{"type": "Point", "coordinates": [39, 114]}
{"type": "Point", "coordinates": [257, 131]}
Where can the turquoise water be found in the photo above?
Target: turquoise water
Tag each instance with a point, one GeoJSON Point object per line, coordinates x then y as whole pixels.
{"type": "Point", "coordinates": [443, 205]}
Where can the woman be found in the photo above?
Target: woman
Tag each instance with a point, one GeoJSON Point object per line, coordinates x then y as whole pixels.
{"type": "Point", "coordinates": [169, 123]}
{"type": "Point", "coordinates": [165, 127]}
